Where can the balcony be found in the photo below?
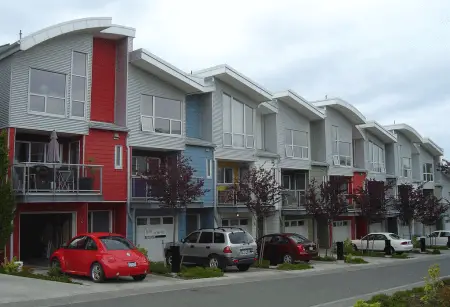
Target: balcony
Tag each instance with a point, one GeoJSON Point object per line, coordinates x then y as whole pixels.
{"type": "Point", "coordinates": [38, 182]}
{"type": "Point", "coordinates": [292, 199]}
{"type": "Point", "coordinates": [226, 198]}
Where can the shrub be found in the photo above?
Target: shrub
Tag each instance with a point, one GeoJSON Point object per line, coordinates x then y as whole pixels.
{"type": "Point", "coordinates": [54, 272]}
{"type": "Point", "coordinates": [27, 269]}
{"type": "Point", "coordinates": [433, 285]}
{"type": "Point", "coordinates": [143, 251]}
{"type": "Point", "coordinates": [400, 256]}
{"type": "Point", "coordinates": [354, 260]}
{"type": "Point", "coordinates": [10, 267]}
{"type": "Point", "coordinates": [443, 248]}
{"type": "Point", "coordinates": [415, 241]}
{"type": "Point", "coordinates": [294, 266]}
{"type": "Point", "coordinates": [263, 264]}
{"type": "Point", "coordinates": [436, 252]}
{"type": "Point", "coordinates": [348, 246]}
{"type": "Point", "coordinates": [324, 258]}
{"type": "Point", "coordinates": [444, 297]}
{"type": "Point", "coordinates": [361, 303]}
{"type": "Point", "coordinates": [200, 272]}
{"type": "Point", "coordinates": [159, 268]}
{"type": "Point", "coordinates": [382, 299]}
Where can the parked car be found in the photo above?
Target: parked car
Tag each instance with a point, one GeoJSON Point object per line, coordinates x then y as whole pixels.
{"type": "Point", "coordinates": [376, 241]}
{"type": "Point", "coordinates": [101, 256]}
{"type": "Point", "coordinates": [437, 238]}
{"type": "Point", "coordinates": [217, 248]}
{"type": "Point", "coordinates": [286, 248]}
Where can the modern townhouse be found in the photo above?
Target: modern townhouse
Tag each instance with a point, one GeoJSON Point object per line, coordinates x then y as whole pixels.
{"type": "Point", "coordinates": [68, 82]}
{"type": "Point", "coordinates": [243, 123]}
{"type": "Point", "coordinates": [416, 160]}
{"type": "Point", "coordinates": [294, 139]}
{"type": "Point", "coordinates": [160, 126]}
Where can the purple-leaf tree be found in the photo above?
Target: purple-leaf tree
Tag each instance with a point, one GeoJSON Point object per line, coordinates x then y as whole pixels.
{"type": "Point", "coordinates": [259, 190]}
{"type": "Point", "coordinates": [327, 200]}
{"type": "Point", "coordinates": [172, 183]}
{"type": "Point", "coordinates": [430, 210]}
{"type": "Point", "coordinates": [372, 200]}
{"type": "Point", "coordinates": [407, 204]}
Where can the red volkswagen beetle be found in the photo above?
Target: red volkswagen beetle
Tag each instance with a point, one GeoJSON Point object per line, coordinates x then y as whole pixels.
{"type": "Point", "coordinates": [101, 256]}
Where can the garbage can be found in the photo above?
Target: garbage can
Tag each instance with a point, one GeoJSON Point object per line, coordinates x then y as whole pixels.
{"type": "Point", "coordinates": [340, 250]}
{"type": "Point", "coordinates": [176, 258]}
{"type": "Point", "coordinates": [423, 248]}
{"type": "Point", "coordinates": [387, 248]}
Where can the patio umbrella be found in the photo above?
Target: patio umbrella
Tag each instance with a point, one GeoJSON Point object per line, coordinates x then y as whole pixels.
{"type": "Point", "coordinates": [53, 149]}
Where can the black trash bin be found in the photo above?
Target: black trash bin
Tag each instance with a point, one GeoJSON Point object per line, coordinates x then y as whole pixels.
{"type": "Point", "coordinates": [340, 250]}
{"type": "Point", "coordinates": [387, 247]}
{"type": "Point", "coordinates": [423, 247]}
{"type": "Point", "coordinates": [176, 258]}
{"type": "Point", "coordinates": [448, 242]}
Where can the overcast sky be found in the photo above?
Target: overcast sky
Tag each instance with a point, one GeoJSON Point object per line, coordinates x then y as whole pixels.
{"type": "Point", "coordinates": [388, 58]}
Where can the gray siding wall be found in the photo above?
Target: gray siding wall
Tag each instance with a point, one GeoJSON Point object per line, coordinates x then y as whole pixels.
{"type": "Point", "coordinates": [335, 118]}
{"type": "Point", "coordinates": [291, 119]}
{"type": "Point", "coordinates": [359, 153]}
{"type": "Point", "coordinates": [222, 152]}
{"type": "Point", "coordinates": [5, 90]}
{"type": "Point", "coordinates": [318, 140]}
{"type": "Point", "coordinates": [141, 82]}
{"type": "Point", "coordinates": [270, 122]}
{"type": "Point", "coordinates": [318, 173]}
{"type": "Point", "coordinates": [391, 159]}
{"type": "Point", "coordinates": [120, 111]}
{"type": "Point", "coordinates": [56, 56]}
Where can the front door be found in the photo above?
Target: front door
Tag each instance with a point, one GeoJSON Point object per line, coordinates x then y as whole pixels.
{"type": "Point", "coordinates": [192, 223]}
{"type": "Point", "coordinates": [99, 221]}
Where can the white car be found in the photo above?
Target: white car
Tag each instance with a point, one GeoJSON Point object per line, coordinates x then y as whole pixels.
{"type": "Point", "coordinates": [376, 241]}
{"type": "Point", "coordinates": [437, 238]}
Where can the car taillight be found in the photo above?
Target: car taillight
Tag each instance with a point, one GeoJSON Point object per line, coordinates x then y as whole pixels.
{"type": "Point", "coordinates": [227, 250]}
{"type": "Point", "coordinates": [404, 243]}
{"type": "Point", "coordinates": [301, 248]}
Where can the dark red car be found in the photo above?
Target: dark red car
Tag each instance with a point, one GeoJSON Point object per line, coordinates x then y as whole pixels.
{"type": "Point", "coordinates": [101, 256]}
{"type": "Point", "coordinates": [286, 248]}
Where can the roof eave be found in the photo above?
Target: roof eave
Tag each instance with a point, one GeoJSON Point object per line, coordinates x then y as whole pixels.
{"type": "Point", "coordinates": [435, 150]}
{"type": "Point", "coordinates": [408, 131]}
{"type": "Point", "coordinates": [356, 118]}
{"type": "Point", "coordinates": [300, 104]}
{"type": "Point", "coordinates": [379, 132]}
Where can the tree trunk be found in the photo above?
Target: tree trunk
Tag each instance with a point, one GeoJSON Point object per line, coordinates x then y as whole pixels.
{"type": "Point", "coordinates": [330, 233]}
{"type": "Point", "coordinates": [259, 226]}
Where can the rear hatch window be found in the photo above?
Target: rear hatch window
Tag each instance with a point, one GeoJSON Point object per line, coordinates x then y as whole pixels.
{"type": "Point", "coordinates": [298, 239]}
{"type": "Point", "coordinates": [114, 243]}
{"type": "Point", "coordinates": [240, 237]}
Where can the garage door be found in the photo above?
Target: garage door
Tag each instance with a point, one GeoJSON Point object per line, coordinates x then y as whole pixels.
{"type": "Point", "coordinates": [447, 223]}
{"type": "Point", "coordinates": [341, 231]}
{"type": "Point", "coordinates": [296, 226]}
{"type": "Point", "coordinates": [376, 227]}
{"type": "Point", "coordinates": [244, 223]}
{"type": "Point", "coordinates": [153, 233]}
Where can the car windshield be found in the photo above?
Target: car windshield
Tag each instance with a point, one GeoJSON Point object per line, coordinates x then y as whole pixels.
{"type": "Point", "coordinates": [298, 238]}
{"type": "Point", "coordinates": [394, 236]}
{"type": "Point", "coordinates": [114, 243]}
{"type": "Point", "coordinates": [240, 237]}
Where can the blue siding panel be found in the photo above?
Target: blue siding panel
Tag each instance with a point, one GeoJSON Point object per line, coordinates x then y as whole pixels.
{"type": "Point", "coordinates": [194, 117]}
{"type": "Point", "coordinates": [207, 218]}
{"type": "Point", "coordinates": [199, 156]}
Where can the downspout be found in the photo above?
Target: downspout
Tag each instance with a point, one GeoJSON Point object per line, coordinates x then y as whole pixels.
{"type": "Point", "coordinates": [216, 213]}
{"type": "Point", "coordinates": [130, 217]}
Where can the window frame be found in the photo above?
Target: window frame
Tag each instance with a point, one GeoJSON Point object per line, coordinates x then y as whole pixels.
{"type": "Point", "coordinates": [209, 168]}
{"type": "Point", "coordinates": [336, 141]}
{"type": "Point", "coordinates": [72, 75]}
{"type": "Point", "coordinates": [426, 176]}
{"type": "Point", "coordinates": [45, 113]}
{"type": "Point", "coordinates": [223, 173]}
{"type": "Point", "coordinates": [61, 152]}
{"type": "Point", "coordinates": [232, 133]}
{"type": "Point", "coordinates": [154, 116]}
{"type": "Point", "coordinates": [408, 170]}
{"type": "Point", "coordinates": [292, 146]}
{"type": "Point", "coordinates": [118, 154]}
{"type": "Point", "coordinates": [376, 165]}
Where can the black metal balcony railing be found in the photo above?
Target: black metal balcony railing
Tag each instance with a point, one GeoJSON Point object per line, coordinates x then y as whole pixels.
{"type": "Point", "coordinates": [227, 198]}
{"type": "Point", "coordinates": [293, 199]}
{"type": "Point", "coordinates": [57, 178]}
{"type": "Point", "coordinates": [142, 191]}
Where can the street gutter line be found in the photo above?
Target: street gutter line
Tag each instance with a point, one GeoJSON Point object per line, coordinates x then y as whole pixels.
{"type": "Point", "coordinates": [346, 301]}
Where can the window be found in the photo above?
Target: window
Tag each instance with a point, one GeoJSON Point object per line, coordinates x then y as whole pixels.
{"type": "Point", "coordinates": [394, 236]}
{"type": "Point", "coordinates": [192, 238]}
{"type": "Point", "coordinates": [445, 234]}
{"type": "Point", "coordinates": [47, 92]}
{"type": "Point", "coordinates": [376, 158]}
{"type": "Point", "coordinates": [209, 168]}
{"type": "Point", "coordinates": [155, 221]}
{"type": "Point", "coordinates": [238, 123]}
{"type": "Point", "coordinates": [33, 152]}
{"type": "Point", "coordinates": [115, 243]}
{"type": "Point", "coordinates": [90, 244]}
{"type": "Point", "coordinates": [400, 159]}
{"type": "Point", "coordinates": [225, 175]}
{"type": "Point", "coordinates": [341, 150]}
{"type": "Point", "coordinates": [141, 221]}
{"type": "Point", "coordinates": [78, 243]}
{"type": "Point", "coordinates": [428, 174]}
{"type": "Point", "coordinates": [234, 222]}
{"type": "Point", "coordinates": [167, 220]}
{"type": "Point", "coordinates": [79, 84]}
{"type": "Point", "coordinates": [161, 115]}
{"type": "Point", "coordinates": [240, 237]}
{"type": "Point", "coordinates": [297, 238]}
{"type": "Point", "coordinates": [219, 237]}
{"type": "Point", "coordinates": [139, 165]}
{"type": "Point", "coordinates": [118, 160]}
{"type": "Point", "coordinates": [295, 187]}
{"type": "Point", "coordinates": [406, 167]}
{"type": "Point", "coordinates": [296, 143]}
{"type": "Point", "coordinates": [206, 237]}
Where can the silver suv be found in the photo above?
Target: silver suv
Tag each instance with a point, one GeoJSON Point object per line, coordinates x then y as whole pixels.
{"type": "Point", "coordinates": [217, 248]}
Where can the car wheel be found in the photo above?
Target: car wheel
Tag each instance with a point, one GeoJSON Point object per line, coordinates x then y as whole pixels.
{"type": "Point", "coordinates": [243, 267]}
{"type": "Point", "coordinates": [55, 263]}
{"type": "Point", "coordinates": [306, 261]}
{"type": "Point", "coordinates": [215, 263]}
{"type": "Point", "coordinates": [169, 259]}
{"type": "Point", "coordinates": [287, 259]}
{"type": "Point", "coordinates": [139, 277]}
{"type": "Point", "coordinates": [97, 273]}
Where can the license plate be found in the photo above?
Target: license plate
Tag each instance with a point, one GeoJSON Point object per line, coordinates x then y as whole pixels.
{"type": "Point", "coordinates": [131, 264]}
{"type": "Point", "coordinates": [245, 251]}
{"type": "Point", "coordinates": [311, 248]}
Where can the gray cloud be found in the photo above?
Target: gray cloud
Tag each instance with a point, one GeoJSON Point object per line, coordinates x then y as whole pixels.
{"type": "Point", "coordinates": [389, 59]}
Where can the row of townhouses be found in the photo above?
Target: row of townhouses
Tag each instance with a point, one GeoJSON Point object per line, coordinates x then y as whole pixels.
{"type": "Point", "coordinates": [114, 109]}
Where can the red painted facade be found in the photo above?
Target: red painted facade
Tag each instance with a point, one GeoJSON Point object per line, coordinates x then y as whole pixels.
{"type": "Point", "coordinates": [99, 147]}
{"type": "Point", "coordinates": [103, 80]}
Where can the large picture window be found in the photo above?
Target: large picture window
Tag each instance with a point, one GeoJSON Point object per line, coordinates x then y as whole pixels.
{"type": "Point", "coordinates": [238, 123]}
{"type": "Point", "coordinates": [33, 152]}
{"type": "Point", "coordinates": [47, 92]}
{"type": "Point", "coordinates": [376, 158]}
{"type": "Point", "coordinates": [161, 115]}
{"type": "Point", "coordinates": [296, 143]}
{"type": "Point", "coordinates": [341, 150]}
{"type": "Point", "coordinates": [428, 174]}
{"type": "Point", "coordinates": [406, 166]}
{"type": "Point", "coordinates": [79, 84]}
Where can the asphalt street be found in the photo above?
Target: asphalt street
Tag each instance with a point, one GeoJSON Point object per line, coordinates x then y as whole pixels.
{"type": "Point", "coordinates": [332, 289]}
